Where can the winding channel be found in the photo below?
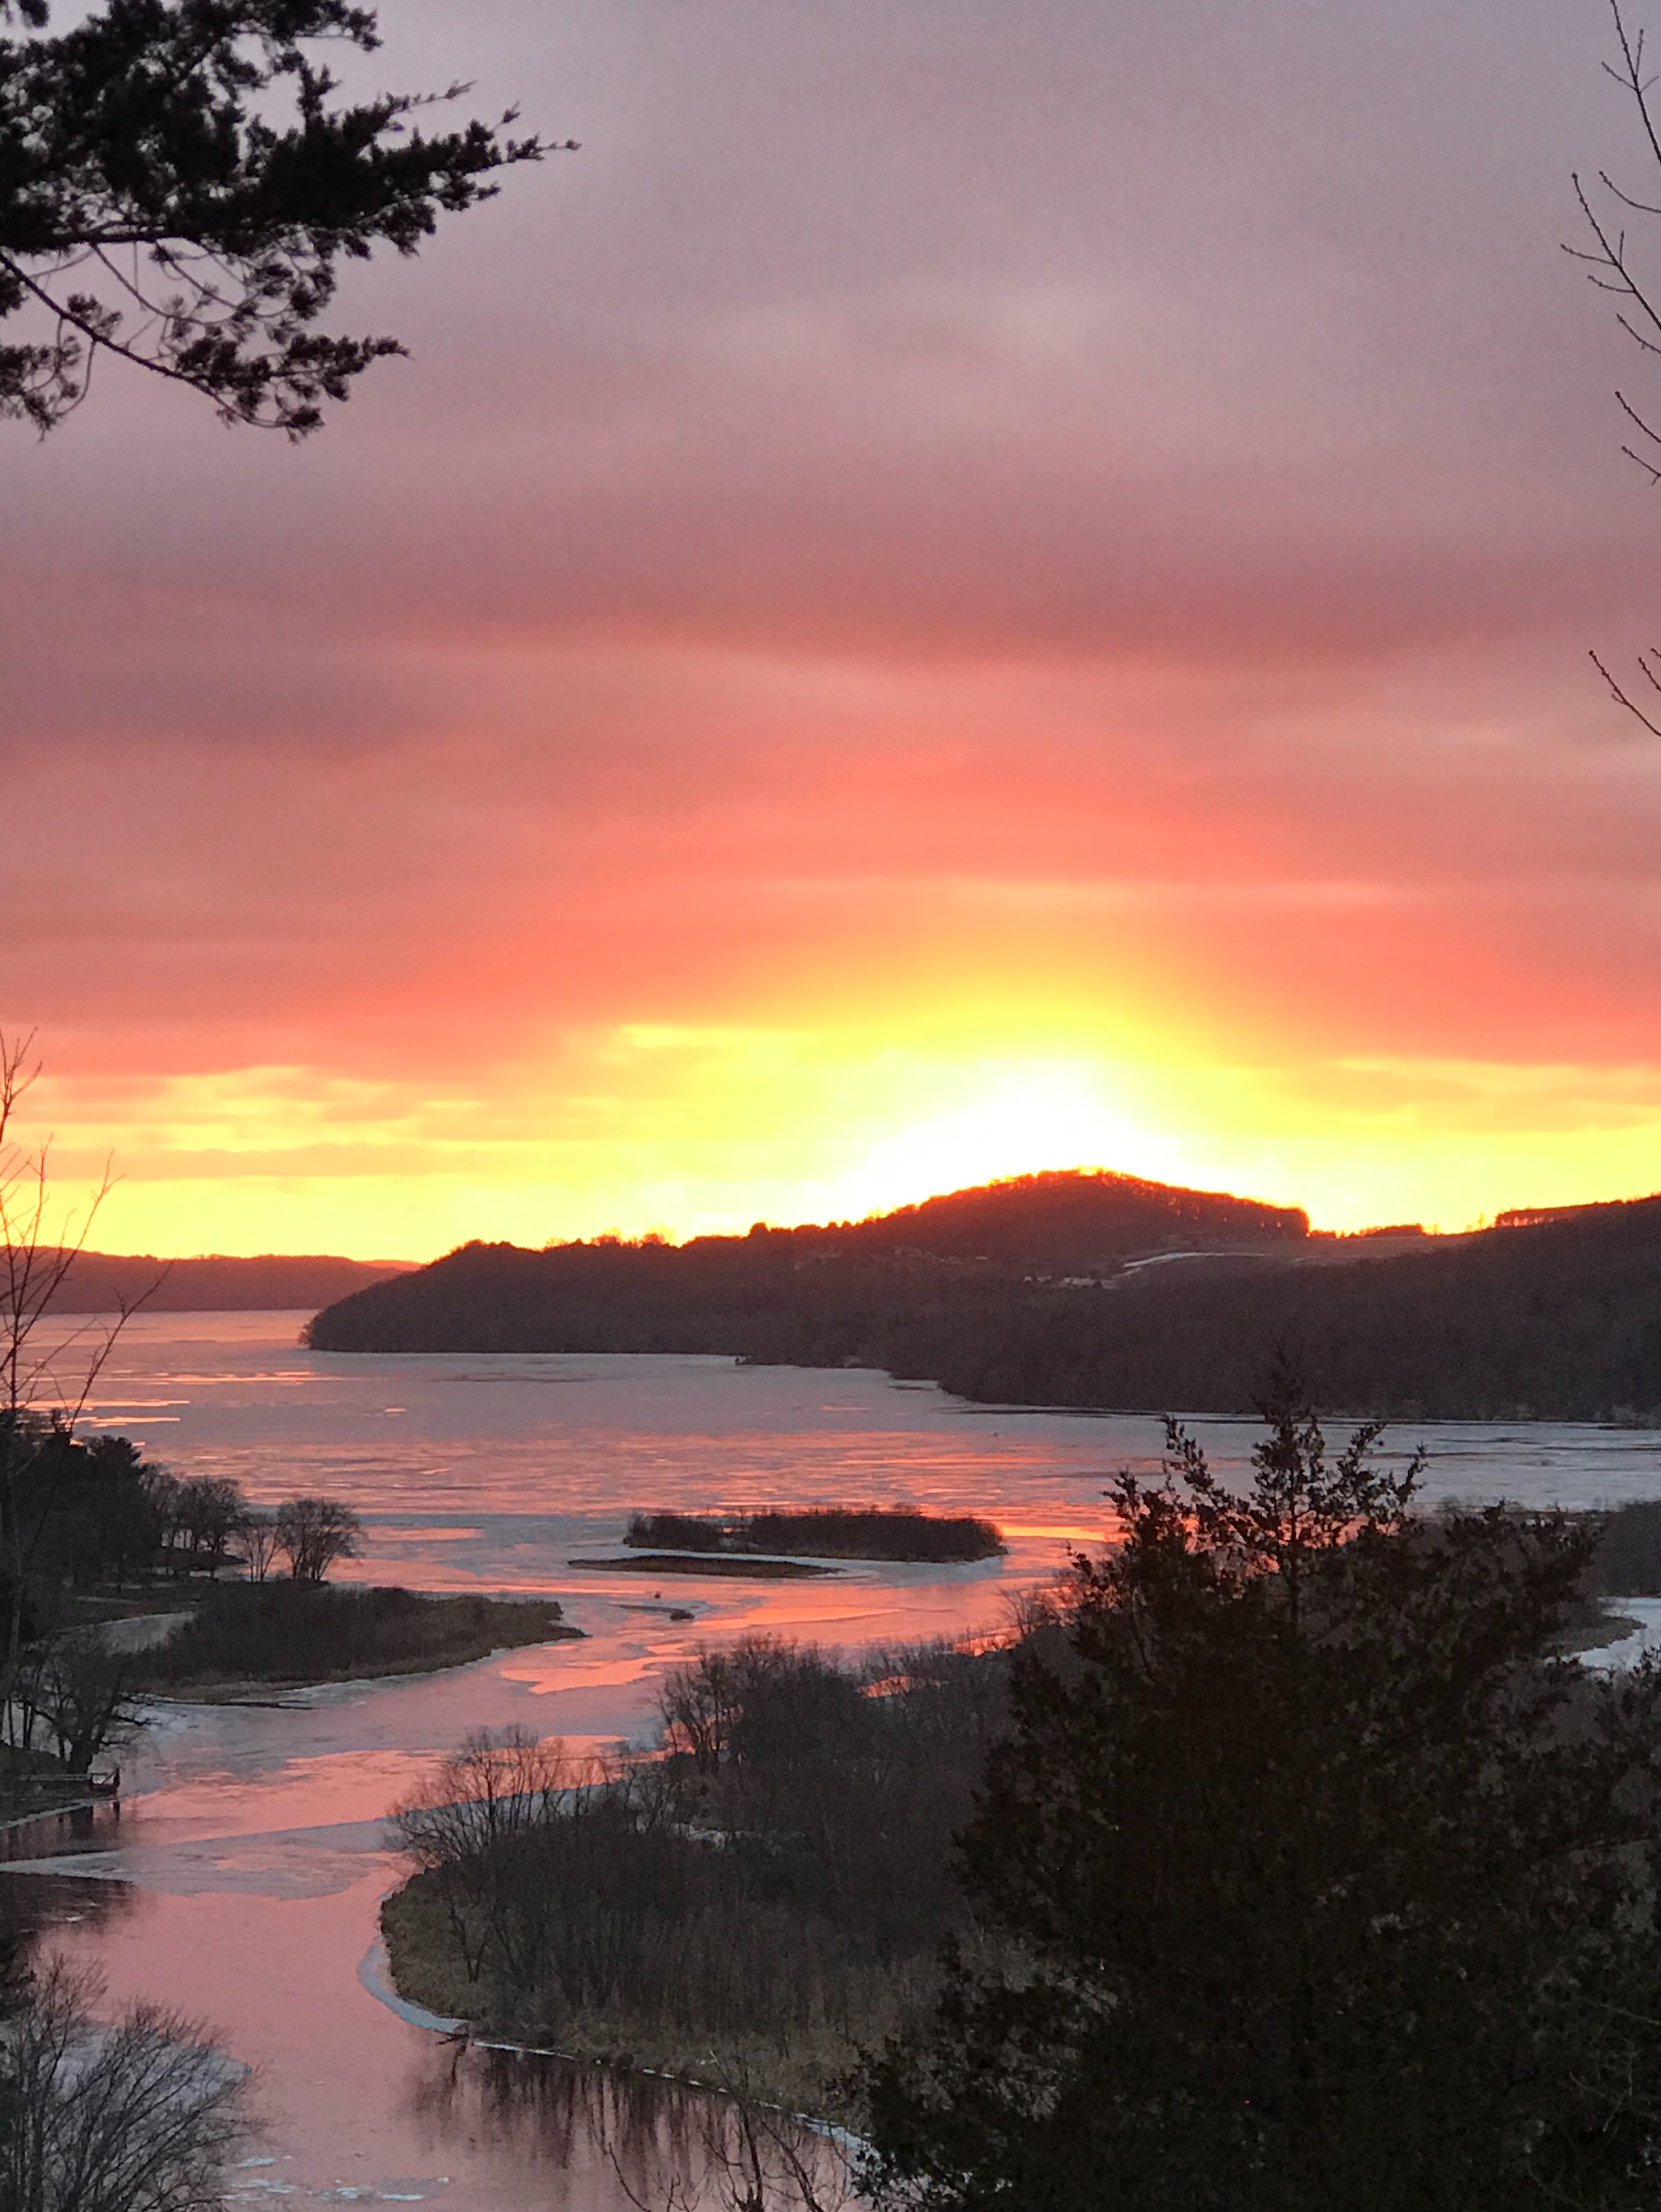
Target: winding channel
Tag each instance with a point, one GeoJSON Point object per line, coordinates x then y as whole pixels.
{"type": "Point", "coordinates": [240, 1880]}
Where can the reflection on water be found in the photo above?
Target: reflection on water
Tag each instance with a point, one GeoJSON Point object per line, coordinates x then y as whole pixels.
{"type": "Point", "coordinates": [75, 1828]}
{"type": "Point", "coordinates": [241, 1883]}
{"type": "Point", "coordinates": [635, 2137]}
{"type": "Point", "coordinates": [35, 1908]}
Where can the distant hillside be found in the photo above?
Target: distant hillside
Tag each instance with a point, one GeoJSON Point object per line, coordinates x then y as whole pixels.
{"type": "Point", "coordinates": [1072, 1219]}
{"type": "Point", "coordinates": [1556, 1317]}
{"type": "Point", "coordinates": [819, 1293]}
{"type": "Point", "coordinates": [1084, 1289]}
{"type": "Point", "coordinates": [101, 1282]}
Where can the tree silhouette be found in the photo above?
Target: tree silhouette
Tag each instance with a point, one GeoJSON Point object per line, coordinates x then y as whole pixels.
{"type": "Point", "coordinates": [313, 1533]}
{"type": "Point", "coordinates": [178, 185]}
{"type": "Point", "coordinates": [1309, 1876]}
{"type": "Point", "coordinates": [46, 1375]}
{"type": "Point", "coordinates": [1616, 262]}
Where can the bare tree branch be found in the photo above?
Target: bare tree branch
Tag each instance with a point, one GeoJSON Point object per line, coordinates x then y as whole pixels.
{"type": "Point", "coordinates": [46, 1382]}
{"type": "Point", "coordinates": [1612, 265]}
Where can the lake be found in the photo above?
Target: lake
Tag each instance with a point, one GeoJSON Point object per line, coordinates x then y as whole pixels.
{"type": "Point", "coordinates": [241, 1881]}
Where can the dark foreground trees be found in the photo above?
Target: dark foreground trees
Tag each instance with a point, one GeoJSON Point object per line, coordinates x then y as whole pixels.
{"type": "Point", "coordinates": [137, 2114]}
{"type": "Point", "coordinates": [1312, 1878]}
{"type": "Point", "coordinates": [179, 186]}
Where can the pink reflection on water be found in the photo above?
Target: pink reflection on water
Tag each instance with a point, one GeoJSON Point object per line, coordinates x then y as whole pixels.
{"type": "Point", "coordinates": [251, 1840]}
{"type": "Point", "coordinates": [345, 2089]}
{"type": "Point", "coordinates": [356, 1785]}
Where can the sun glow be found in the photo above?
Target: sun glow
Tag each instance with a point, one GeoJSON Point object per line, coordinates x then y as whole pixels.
{"type": "Point", "coordinates": [690, 1128]}
{"type": "Point", "coordinates": [1027, 1117]}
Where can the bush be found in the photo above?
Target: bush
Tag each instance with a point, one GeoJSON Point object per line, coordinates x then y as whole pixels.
{"type": "Point", "coordinates": [1628, 1561]}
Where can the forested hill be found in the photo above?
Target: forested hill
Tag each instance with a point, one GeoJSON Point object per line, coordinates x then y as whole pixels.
{"type": "Point", "coordinates": [821, 1292]}
{"type": "Point", "coordinates": [1558, 1318]}
{"type": "Point", "coordinates": [104, 1282]}
{"type": "Point", "coordinates": [1067, 1220]}
{"type": "Point", "coordinates": [1554, 1320]}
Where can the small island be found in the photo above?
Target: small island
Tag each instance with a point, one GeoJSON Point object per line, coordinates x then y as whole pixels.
{"type": "Point", "coordinates": [898, 1533]}
{"type": "Point", "coordinates": [244, 1636]}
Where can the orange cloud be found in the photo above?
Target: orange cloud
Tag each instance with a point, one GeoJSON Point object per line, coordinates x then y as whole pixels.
{"type": "Point", "coordinates": [963, 590]}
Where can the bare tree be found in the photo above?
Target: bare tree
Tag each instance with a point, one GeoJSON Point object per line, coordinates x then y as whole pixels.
{"type": "Point", "coordinates": [211, 1511]}
{"type": "Point", "coordinates": [46, 1375]}
{"type": "Point", "coordinates": [496, 1789]}
{"type": "Point", "coordinates": [74, 1686]}
{"type": "Point", "coordinates": [313, 1533]}
{"type": "Point", "coordinates": [1615, 262]}
{"type": "Point", "coordinates": [257, 1533]}
{"type": "Point", "coordinates": [698, 1704]}
{"type": "Point", "coordinates": [138, 2116]}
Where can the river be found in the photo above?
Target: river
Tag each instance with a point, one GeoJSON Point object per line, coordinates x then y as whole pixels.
{"type": "Point", "coordinates": [241, 1882]}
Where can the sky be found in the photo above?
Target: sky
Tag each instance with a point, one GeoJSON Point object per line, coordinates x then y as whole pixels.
{"type": "Point", "coordinates": [965, 588]}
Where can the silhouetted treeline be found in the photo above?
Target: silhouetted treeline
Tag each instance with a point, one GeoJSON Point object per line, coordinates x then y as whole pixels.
{"type": "Point", "coordinates": [677, 1532]}
{"type": "Point", "coordinates": [822, 1532]}
{"type": "Point", "coordinates": [1071, 1218]}
{"type": "Point", "coordinates": [819, 1294]}
{"type": "Point", "coordinates": [86, 1512]}
{"type": "Point", "coordinates": [105, 1282]}
{"type": "Point", "coordinates": [76, 1515]}
{"type": "Point", "coordinates": [91, 1516]}
{"type": "Point", "coordinates": [1559, 1320]}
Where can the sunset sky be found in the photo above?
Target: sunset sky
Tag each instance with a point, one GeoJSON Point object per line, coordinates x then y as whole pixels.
{"type": "Point", "coordinates": [969, 587]}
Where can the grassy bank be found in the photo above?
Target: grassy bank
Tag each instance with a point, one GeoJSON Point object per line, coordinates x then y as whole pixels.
{"type": "Point", "coordinates": [279, 1634]}
{"type": "Point", "coordinates": [802, 2072]}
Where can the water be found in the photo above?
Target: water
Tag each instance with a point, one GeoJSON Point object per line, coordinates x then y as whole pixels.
{"type": "Point", "coordinates": [241, 1881]}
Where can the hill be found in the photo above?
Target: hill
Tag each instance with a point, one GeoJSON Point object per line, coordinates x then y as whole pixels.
{"type": "Point", "coordinates": [820, 1292]}
{"type": "Point", "coordinates": [1088, 1290]}
{"type": "Point", "coordinates": [1075, 1219]}
{"type": "Point", "coordinates": [1553, 1318]}
{"type": "Point", "coordinates": [102, 1282]}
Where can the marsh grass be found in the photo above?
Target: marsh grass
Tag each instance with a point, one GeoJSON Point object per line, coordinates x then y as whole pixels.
{"type": "Point", "coordinates": [292, 1632]}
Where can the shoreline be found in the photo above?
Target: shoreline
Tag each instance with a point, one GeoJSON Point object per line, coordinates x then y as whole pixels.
{"type": "Point", "coordinates": [244, 1646]}
{"type": "Point", "coordinates": [374, 1974]}
{"type": "Point", "coordinates": [416, 1977]}
{"type": "Point", "coordinates": [729, 1566]}
{"type": "Point", "coordinates": [233, 1689]}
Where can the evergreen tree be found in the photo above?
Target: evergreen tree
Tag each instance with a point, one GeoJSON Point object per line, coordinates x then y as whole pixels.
{"type": "Point", "coordinates": [159, 205]}
{"type": "Point", "coordinates": [1309, 1877]}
